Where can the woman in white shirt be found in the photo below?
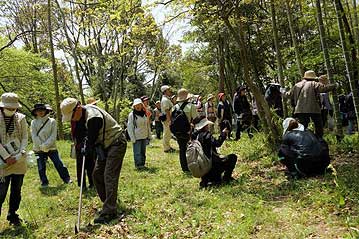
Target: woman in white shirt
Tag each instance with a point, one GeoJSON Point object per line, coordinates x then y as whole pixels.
{"type": "Point", "coordinates": [44, 133]}
{"type": "Point", "coordinates": [139, 132]}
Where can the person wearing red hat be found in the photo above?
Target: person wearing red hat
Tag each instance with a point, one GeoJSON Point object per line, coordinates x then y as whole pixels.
{"type": "Point", "coordinates": [224, 113]}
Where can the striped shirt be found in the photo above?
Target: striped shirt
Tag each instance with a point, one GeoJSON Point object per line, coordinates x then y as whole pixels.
{"type": "Point", "coordinates": [9, 120]}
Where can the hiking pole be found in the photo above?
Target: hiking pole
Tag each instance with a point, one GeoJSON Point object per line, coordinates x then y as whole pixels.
{"type": "Point", "coordinates": [77, 226]}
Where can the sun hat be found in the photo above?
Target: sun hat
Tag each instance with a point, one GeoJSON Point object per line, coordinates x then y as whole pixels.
{"type": "Point", "coordinates": [286, 125]}
{"type": "Point", "coordinates": [183, 95]}
{"type": "Point", "coordinates": [202, 124]}
{"type": "Point", "coordinates": [158, 102]}
{"type": "Point", "coordinates": [91, 101]}
{"type": "Point", "coordinates": [220, 95]}
{"type": "Point", "coordinates": [67, 107]}
{"type": "Point", "coordinates": [137, 102]}
{"type": "Point", "coordinates": [48, 107]}
{"type": "Point", "coordinates": [144, 98]}
{"type": "Point", "coordinates": [164, 88]}
{"type": "Point", "coordinates": [39, 106]}
{"type": "Point", "coordinates": [310, 75]}
{"type": "Point", "coordinates": [10, 100]}
{"type": "Point", "coordinates": [209, 97]}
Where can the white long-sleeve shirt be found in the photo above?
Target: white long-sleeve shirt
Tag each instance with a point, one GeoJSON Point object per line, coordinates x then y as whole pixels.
{"type": "Point", "coordinates": [139, 129]}
{"type": "Point", "coordinates": [46, 140]}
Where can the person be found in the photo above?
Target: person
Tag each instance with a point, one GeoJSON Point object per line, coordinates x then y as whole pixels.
{"type": "Point", "coordinates": [147, 108]}
{"type": "Point", "coordinates": [44, 133]}
{"type": "Point", "coordinates": [274, 98]}
{"type": "Point", "coordinates": [91, 101]}
{"type": "Point", "coordinates": [255, 117]}
{"type": "Point", "coordinates": [166, 108]}
{"type": "Point", "coordinates": [306, 101]}
{"type": "Point", "coordinates": [326, 105]}
{"type": "Point", "coordinates": [224, 113]}
{"type": "Point", "coordinates": [243, 111]}
{"type": "Point", "coordinates": [350, 112]}
{"type": "Point", "coordinates": [199, 105]}
{"type": "Point", "coordinates": [210, 111]}
{"type": "Point", "coordinates": [13, 135]}
{"type": "Point", "coordinates": [174, 99]}
{"type": "Point", "coordinates": [106, 137]}
{"type": "Point", "coordinates": [139, 131]}
{"type": "Point", "coordinates": [182, 135]}
{"type": "Point", "coordinates": [220, 164]}
{"type": "Point", "coordinates": [158, 124]}
{"type": "Point", "coordinates": [303, 153]}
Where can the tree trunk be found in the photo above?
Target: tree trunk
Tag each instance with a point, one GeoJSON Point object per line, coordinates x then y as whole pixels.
{"type": "Point", "coordinates": [352, 82]}
{"type": "Point", "coordinates": [221, 64]}
{"type": "Point", "coordinates": [356, 24]}
{"type": "Point", "coordinates": [278, 56]}
{"type": "Point", "coordinates": [54, 70]}
{"type": "Point", "coordinates": [323, 40]}
{"type": "Point", "coordinates": [294, 39]}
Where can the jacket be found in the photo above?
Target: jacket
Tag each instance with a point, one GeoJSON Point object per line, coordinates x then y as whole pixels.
{"type": "Point", "coordinates": [138, 127]}
{"type": "Point", "coordinates": [46, 139]}
{"type": "Point", "coordinates": [209, 143]}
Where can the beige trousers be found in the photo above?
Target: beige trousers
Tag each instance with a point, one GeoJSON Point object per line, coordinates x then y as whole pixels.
{"type": "Point", "coordinates": [166, 136]}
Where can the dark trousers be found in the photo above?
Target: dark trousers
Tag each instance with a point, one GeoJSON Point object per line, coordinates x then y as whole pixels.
{"type": "Point", "coordinates": [15, 191]}
{"type": "Point", "coordinates": [226, 124]}
{"type": "Point", "coordinates": [159, 129]}
{"type": "Point", "coordinates": [243, 126]}
{"type": "Point", "coordinates": [89, 167]}
{"type": "Point", "coordinates": [182, 140]}
{"type": "Point", "coordinates": [107, 173]}
{"type": "Point", "coordinates": [55, 158]}
{"type": "Point", "coordinates": [220, 166]}
{"type": "Point", "coordinates": [304, 119]}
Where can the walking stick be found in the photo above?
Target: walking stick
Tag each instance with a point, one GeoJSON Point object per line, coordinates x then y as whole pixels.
{"type": "Point", "coordinates": [77, 226]}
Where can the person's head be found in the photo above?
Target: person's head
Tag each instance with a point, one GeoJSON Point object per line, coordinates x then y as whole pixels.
{"type": "Point", "coordinates": [182, 95]}
{"type": "Point", "coordinates": [290, 124]}
{"type": "Point", "coordinates": [71, 109]}
{"type": "Point", "coordinates": [241, 90]}
{"type": "Point", "coordinates": [174, 99]}
{"type": "Point", "coordinates": [145, 100]}
{"type": "Point", "coordinates": [210, 97]}
{"type": "Point", "coordinates": [91, 101]}
{"type": "Point", "coordinates": [201, 123]}
{"type": "Point", "coordinates": [40, 110]}
{"type": "Point", "coordinates": [221, 97]}
{"type": "Point", "coordinates": [323, 79]}
{"type": "Point", "coordinates": [9, 104]}
{"type": "Point", "coordinates": [137, 104]}
{"type": "Point", "coordinates": [310, 75]}
{"type": "Point", "coordinates": [158, 104]}
{"type": "Point", "coordinates": [166, 90]}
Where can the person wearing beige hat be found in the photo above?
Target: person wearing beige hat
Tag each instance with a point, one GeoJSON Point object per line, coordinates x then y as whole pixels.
{"type": "Point", "coordinates": [182, 130]}
{"type": "Point", "coordinates": [106, 137]}
{"type": "Point", "coordinates": [166, 108]}
{"type": "Point", "coordinates": [13, 143]}
{"type": "Point", "coordinates": [305, 98]}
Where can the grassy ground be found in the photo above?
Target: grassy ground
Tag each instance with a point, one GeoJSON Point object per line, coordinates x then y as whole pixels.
{"type": "Point", "coordinates": [164, 203]}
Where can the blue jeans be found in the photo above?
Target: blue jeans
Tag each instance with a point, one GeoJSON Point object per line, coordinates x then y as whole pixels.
{"type": "Point", "coordinates": [139, 152]}
{"type": "Point", "coordinates": [55, 158]}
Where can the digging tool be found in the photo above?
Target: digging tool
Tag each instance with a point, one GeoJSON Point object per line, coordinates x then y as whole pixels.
{"type": "Point", "coordinates": [77, 226]}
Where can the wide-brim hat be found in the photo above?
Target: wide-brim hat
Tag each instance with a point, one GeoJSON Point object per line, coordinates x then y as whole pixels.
{"type": "Point", "coordinates": [67, 107]}
{"type": "Point", "coordinates": [39, 106]}
{"type": "Point", "coordinates": [202, 124]}
{"type": "Point", "coordinates": [209, 97]}
{"type": "Point", "coordinates": [286, 125]}
{"type": "Point", "coordinates": [165, 87]}
{"type": "Point", "coordinates": [10, 100]}
{"type": "Point", "coordinates": [91, 101]}
{"type": "Point", "coordinates": [137, 102]}
{"type": "Point", "coordinates": [310, 75]}
{"type": "Point", "coordinates": [183, 95]}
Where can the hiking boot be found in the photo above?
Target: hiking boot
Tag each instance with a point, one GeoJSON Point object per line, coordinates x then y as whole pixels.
{"type": "Point", "coordinates": [203, 184]}
{"type": "Point", "coordinates": [68, 181]}
{"type": "Point", "coordinates": [228, 179]}
{"type": "Point", "coordinates": [14, 219]}
{"type": "Point", "coordinates": [105, 218]}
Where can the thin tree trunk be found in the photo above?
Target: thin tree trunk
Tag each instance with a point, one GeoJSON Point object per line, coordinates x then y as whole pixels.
{"type": "Point", "coordinates": [221, 64]}
{"type": "Point", "coordinates": [352, 82]}
{"type": "Point", "coordinates": [54, 70]}
{"type": "Point", "coordinates": [294, 39]}
{"type": "Point", "coordinates": [356, 24]}
{"type": "Point", "coordinates": [278, 56]}
{"type": "Point", "coordinates": [328, 65]}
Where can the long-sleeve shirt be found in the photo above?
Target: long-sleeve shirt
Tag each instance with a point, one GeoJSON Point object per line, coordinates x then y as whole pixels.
{"type": "Point", "coordinates": [45, 139]}
{"type": "Point", "coordinates": [138, 127]}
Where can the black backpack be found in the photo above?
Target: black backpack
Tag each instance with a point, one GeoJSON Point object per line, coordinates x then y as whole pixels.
{"type": "Point", "coordinates": [179, 121]}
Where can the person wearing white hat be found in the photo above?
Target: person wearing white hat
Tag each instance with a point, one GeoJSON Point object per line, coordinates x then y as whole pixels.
{"type": "Point", "coordinates": [106, 137]}
{"type": "Point", "coordinates": [139, 132]}
{"type": "Point", "coordinates": [303, 153]}
{"type": "Point", "coordinates": [183, 127]}
{"type": "Point", "coordinates": [13, 142]}
{"type": "Point", "coordinates": [166, 108]}
{"type": "Point", "coordinates": [220, 164]}
{"type": "Point", "coordinates": [305, 99]}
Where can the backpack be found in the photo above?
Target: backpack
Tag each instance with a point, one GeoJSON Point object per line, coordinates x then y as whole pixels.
{"type": "Point", "coordinates": [198, 163]}
{"type": "Point", "coordinates": [179, 121]}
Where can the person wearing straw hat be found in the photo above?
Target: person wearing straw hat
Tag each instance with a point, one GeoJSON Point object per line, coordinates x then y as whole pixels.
{"type": "Point", "coordinates": [210, 111]}
{"type": "Point", "coordinates": [44, 133]}
{"type": "Point", "coordinates": [139, 131]}
{"type": "Point", "coordinates": [305, 100]}
{"type": "Point", "coordinates": [220, 164]}
{"type": "Point", "coordinates": [158, 123]}
{"type": "Point", "coordinates": [182, 135]}
{"type": "Point", "coordinates": [13, 143]}
{"type": "Point", "coordinates": [166, 108]}
{"type": "Point", "coordinates": [301, 151]}
{"type": "Point", "coordinates": [106, 137]}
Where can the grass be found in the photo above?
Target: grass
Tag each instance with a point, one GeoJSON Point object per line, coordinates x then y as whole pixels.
{"type": "Point", "coordinates": [164, 203]}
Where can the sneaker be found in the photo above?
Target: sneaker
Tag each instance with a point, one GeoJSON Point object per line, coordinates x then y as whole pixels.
{"type": "Point", "coordinates": [105, 218]}
{"type": "Point", "coordinates": [14, 219]}
{"type": "Point", "coordinates": [68, 181]}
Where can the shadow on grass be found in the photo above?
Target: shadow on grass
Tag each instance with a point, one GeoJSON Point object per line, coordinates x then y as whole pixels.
{"type": "Point", "coordinates": [52, 191]}
{"type": "Point", "coordinates": [25, 230]}
{"type": "Point", "coordinates": [152, 170]}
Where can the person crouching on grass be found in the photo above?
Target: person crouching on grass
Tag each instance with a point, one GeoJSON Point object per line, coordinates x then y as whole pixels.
{"type": "Point", "coordinates": [139, 131]}
{"type": "Point", "coordinates": [220, 164]}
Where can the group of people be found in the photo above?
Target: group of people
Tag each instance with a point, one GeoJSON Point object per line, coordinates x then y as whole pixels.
{"type": "Point", "coordinates": [100, 140]}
